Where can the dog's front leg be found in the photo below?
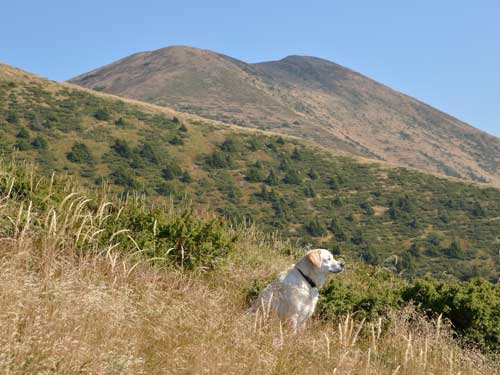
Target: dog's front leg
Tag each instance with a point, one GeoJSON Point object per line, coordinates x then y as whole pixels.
{"type": "Point", "coordinates": [293, 323]}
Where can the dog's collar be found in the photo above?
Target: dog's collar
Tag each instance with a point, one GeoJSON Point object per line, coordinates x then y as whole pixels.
{"type": "Point", "coordinates": [307, 278]}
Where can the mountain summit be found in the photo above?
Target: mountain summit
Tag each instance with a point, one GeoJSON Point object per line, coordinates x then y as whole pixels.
{"type": "Point", "coordinates": [308, 97]}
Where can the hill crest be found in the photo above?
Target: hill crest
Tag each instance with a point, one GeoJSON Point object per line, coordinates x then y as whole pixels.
{"type": "Point", "coordinates": [308, 97]}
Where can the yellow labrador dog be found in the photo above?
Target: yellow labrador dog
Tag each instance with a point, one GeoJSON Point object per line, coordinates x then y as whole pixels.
{"type": "Point", "coordinates": [294, 294]}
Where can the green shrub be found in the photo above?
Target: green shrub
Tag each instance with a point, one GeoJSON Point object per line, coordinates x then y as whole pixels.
{"type": "Point", "coordinates": [176, 141]}
{"type": "Point", "coordinates": [292, 176]}
{"type": "Point", "coordinates": [122, 176]}
{"type": "Point", "coordinates": [121, 122]}
{"type": "Point", "coordinates": [22, 144]}
{"type": "Point", "coordinates": [23, 133]}
{"type": "Point", "coordinates": [80, 153]}
{"type": "Point", "coordinates": [102, 114]}
{"type": "Point", "coordinates": [194, 242]}
{"type": "Point", "coordinates": [122, 148]}
{"type": "Point", "coordinates": [255, 173]}
{"type": "Point", "coordinates": [12, 117]}
{"type": "Point", "coordinates": [473, 307]}
{"type": "Point", "coordinates": [219, 160]}
{"type": "Point", "coordinates": [39, 143]}
{"type": "Point", "coordinates": [369, 294]}
{"type": "Point", "coordinates": [272, 179]}
{"type": "Point", "coordinates": [171, 170]}
{"type": "Point", "coordinates": [315, 228]}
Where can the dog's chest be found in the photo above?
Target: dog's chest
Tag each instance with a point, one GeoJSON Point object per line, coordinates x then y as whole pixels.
{"type": "Point", "coordinates": [306, 302]}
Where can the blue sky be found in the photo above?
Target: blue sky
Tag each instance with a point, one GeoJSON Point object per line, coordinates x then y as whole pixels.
{"type": "Point", "coordinates": [445, 53]}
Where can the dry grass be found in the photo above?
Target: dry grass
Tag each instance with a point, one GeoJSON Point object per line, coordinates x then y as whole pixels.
{"type": "Point", "coordinates": [78, 316]}
{"type": "Point", "coordinates": [72, 306]}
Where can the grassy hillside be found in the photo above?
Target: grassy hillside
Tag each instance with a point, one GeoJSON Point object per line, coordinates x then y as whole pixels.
{"type": "Point", "coordinates": [407, 221]}
{"type": "Point", "coordinates": [307, 97]}
{"type": "Point", "coordinates": [95, 285]}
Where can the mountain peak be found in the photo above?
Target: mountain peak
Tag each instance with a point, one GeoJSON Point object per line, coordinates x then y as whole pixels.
{"type": "Point", "coordinates": [308, 97]}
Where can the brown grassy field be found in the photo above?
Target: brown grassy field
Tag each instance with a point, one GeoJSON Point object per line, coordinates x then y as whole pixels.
{"type": "Point", "coordinates": [73, 305]}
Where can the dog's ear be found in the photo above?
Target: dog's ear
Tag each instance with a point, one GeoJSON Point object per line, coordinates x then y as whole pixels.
{"type": "Point", "coordinates": [314, 258]}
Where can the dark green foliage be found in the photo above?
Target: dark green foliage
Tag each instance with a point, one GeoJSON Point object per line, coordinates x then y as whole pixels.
{"type": "Point", "coordinates": [121, 122]}
{"type": "Point", "coordinates": [309, 191]}
{"type": "Point", "coordinates": [232, 145]}
{"type": "Point", "coordinates": [39, 143]}
{"type": "Point", "coordinates": [22, 144]}
{"type": "Point", "coordinates": [186, 177]}
{"type": "Point", "coordinates": [150, 153]}
{"type": "Point", "coordinates": [401, 206]}
{"type": "Point", "coordinates": [121, 176]}
{"type": "Point", "coordinates": [255, 173]}
{"type": "Point", "coordinates": [338, 230]}
{"type": "Point", "coordinates": [176, 141]}
{"type": "Point", "coordinates": [368, 254]}
{"type": "Point", "coordinates": [219, 160]}
{"type": "Point", "coordinates": [272, 178]}
{"type": "Point", "coordinates": [369, 295]}
{"type": "Point", "coordinates": [456, 249]}
{"type": "Point", "coordinates": [23, 133]}
{"type": "Point", "coordinates": [315, 228]}
{"type": "Point", "coordinates": [187, 240]}
{"type": "Point", "coordinates": [171, 170]}
{"type": "Point", "coordinates": [122, 148]}
{"type": "Point", "coordinates": [312, 174]}
{"type": "Point", "coordinates": [12, 117]}
{"type": "Point", "coordinates": [292, 176]}
{"type": "Point", "coordinates": [80, 153]}
{"type": "Point", "coordinates": [473, 307]}
{"type": "Point", "coordinates": [102, 114]}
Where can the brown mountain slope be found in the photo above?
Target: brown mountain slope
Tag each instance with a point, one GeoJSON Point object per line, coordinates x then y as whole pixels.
{"type": "Point", "coordinates": [307, 97]}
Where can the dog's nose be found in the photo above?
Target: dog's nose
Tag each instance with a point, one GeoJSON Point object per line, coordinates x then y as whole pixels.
{"type": "Point", "coordinates": [342, 265]}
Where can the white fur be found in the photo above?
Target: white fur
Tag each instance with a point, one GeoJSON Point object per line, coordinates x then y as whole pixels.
{"type": "Point", "coordinates": [290, 296]}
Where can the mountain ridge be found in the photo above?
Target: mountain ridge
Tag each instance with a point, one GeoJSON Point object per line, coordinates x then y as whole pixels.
{"type": "Point", "coordinates": [308, 97]}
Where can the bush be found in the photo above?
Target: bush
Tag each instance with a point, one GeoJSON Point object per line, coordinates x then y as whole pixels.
{"type": "Point", "coordinates": [171, 170]}
{"type": "Point", "coordinates": [255, 173]}
{"type": "Point", "coordinates": [176, 141]}
{"type": "Point", "coordinates": [80, 153]}
{"type": "Point", "coordinates": [315, 228]}
{"type": "Point", "coordinates": [194, 242]}
{"type": "Point", "coordinates": [122, 148]}
{"type": "Point", "coordinates": [473, 307]}
{"type": "Point", "coordinates": [121, 122]}
{"type": "Point", "coordinates": [102, 114]}
{"type": "Point", "coordinates": [232, 145]}
{"type": "Point", "coordinates": [219, 160]}
{"type": "Point", "coordinates": [22, 145]}
{"type": "Point", "coordinates": [39, 143]}
{"type": "Point", "coordinates": [12, 117]}
{"type": "Point", "coordinates": [292, 176]}
{"type": "Point", "coordinates": [23, 133]}
{"type": "Point", "coordinates": [122, 176]}
{"type": "Point", "coordinates": [369, 295]}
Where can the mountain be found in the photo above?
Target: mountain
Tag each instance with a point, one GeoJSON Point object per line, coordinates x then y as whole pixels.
{"type": "Point", "coordinates": [403, 219]}
{"type": "Point", "coordinates": [308, 97]}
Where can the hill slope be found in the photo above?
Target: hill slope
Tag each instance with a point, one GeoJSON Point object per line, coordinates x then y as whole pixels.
{"type": "Point", "coordinates": [408, 221]}
{"type": "Point", "coordinates": [79, 298]}
{"type": "Point", "coordinates": [307, 97]}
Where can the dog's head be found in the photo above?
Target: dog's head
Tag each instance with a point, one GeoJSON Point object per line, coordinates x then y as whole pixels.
{"type": "Point", "coordinates": [322, 261]}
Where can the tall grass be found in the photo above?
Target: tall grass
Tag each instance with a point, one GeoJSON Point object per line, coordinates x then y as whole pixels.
{"type": "Point", "coordinates": [72, 302]}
